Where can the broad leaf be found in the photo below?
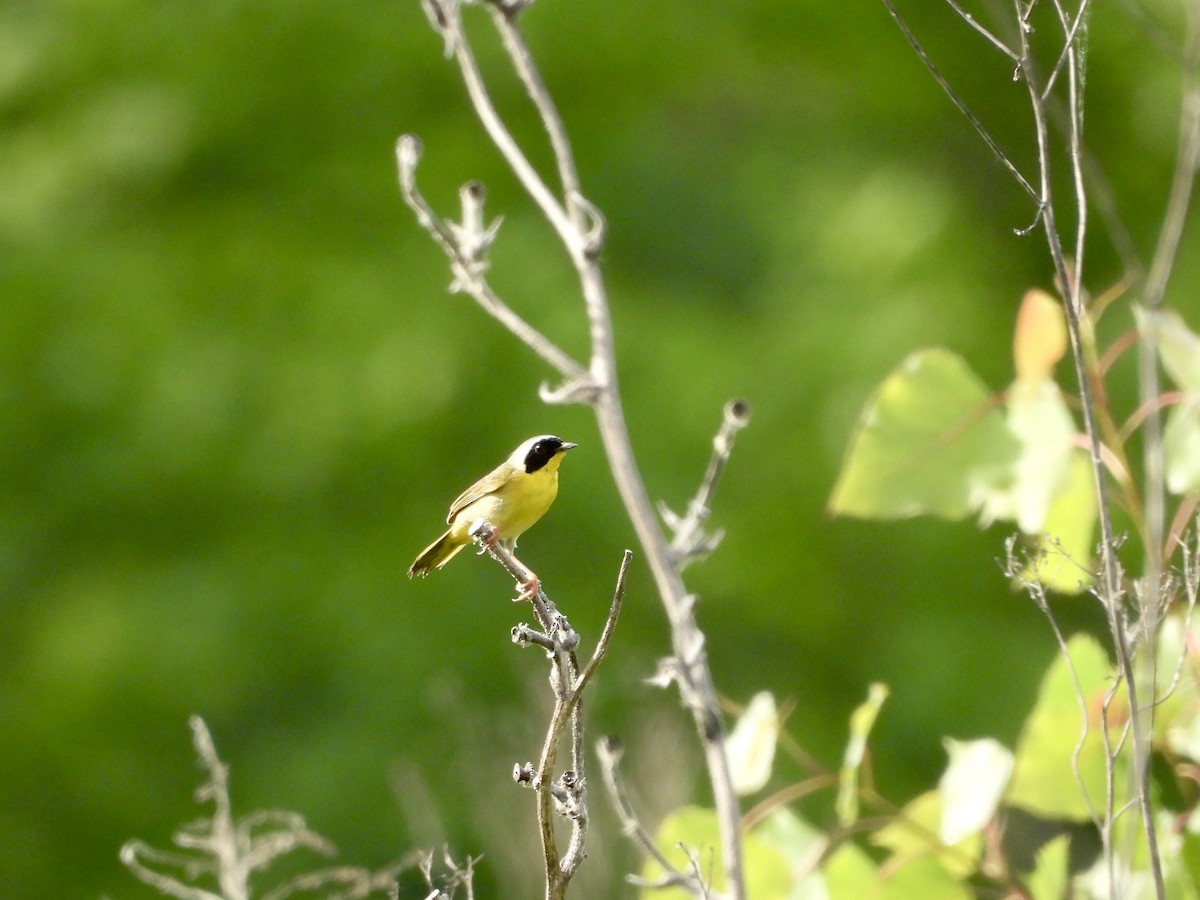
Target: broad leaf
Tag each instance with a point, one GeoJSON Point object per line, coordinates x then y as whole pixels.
{"type": "Point", "coordinates": [1062, 554]}
{"type": "Point", "coordinates": [849, 873]}
{"type": "Point", "coordinates": [1039, 420]}
{"type": "Point", "coordinates": [971, 786]}
{"type": "Point", "coordinates": [751, 744]}
{"type": "Point", "coordinates": [1178, 346]}
{"type": "Point", "coordinates": [930, 441]}
{"type": "Point", "coordinates": [1181, 444]}
{"type": "Point", "coordinates": [1049, 878]}
{"type": "Point", "coordinates": [914, 834]}
{"type": "Point", "coordinates": [690, 839]}
{"type": "Point", "coordinates": [802, 845]}
{"type": "Point", "coordinates": [1040, 338]}
{"type": "Point", "coordinates": [1047, 778]}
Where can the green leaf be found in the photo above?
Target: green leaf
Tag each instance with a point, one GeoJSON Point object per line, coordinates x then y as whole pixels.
{"type": "Point", "coordinates": [1046, 780]}
{"type": "Point", "coordinates": [1050, 877]}
{"type": "Point", "coordinates": [1038, 418]}
{"type": "Point", "coordinates": [972, 786]}
{"type": "Point", "coordinates": [1188, 863]}
{"type": "Point", "coordinates": [862, 720]}
{"type": "Point", "coordinates": [914, 834]}
{"type": "Point", "coordinates": [1178, 346]}
{"type": "Point", "coordinates": [689, 838]}
{"type": "Point", "coordinates": [1062, 553]}
{"type": "Point", "coordinates": [1177, 714]}
{"type": "Point", "coordinates": [929, 441]}
{"type": "Point", "coordinates": [925, 878]}
{"type": "Point", "coordinates": [801, 844]}
{"type": "Point", "coordinates": [850, 874]}
{"type": "Point", "coordinates": [750, 746]}
{"type": "Point", "coordinates": [1181, 444]}
{"type": "Point", "coordinates": [1179, 349]}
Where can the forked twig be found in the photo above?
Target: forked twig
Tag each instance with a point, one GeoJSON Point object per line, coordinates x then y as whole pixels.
{"type": "Point", "coordinates": [566, 796]}
{"type": "Point", "coordinates": [690, 540]}
{"type": "Point", "coordinates": [580, 227]}
{"type": "Point", "coordinates": [609, 752]}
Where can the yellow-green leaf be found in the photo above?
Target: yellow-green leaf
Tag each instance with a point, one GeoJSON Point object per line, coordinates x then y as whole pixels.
{"type": "Point", "coordinates": [1049, 878]}
{"type": "Point", "coordinates": [801, 844]}
{"type": "Point", "coordinates": [1178, 346]}
{"type": "Point", "coordinates": [690, 839]}
{"type": "Point", "coordinates": [1181, 445]}
{"type": "Point", "coordinates": [926, 878]}
{"type": "Point", "coordinates": [750, 746]}
{"type": "Point", "coordinates": [850, 874]}
{"type": "Point", "coordinates": [930, 441]}
{"type": "Point", "coordinates": [1062, 552]}
{"type": "Point", "coordinates": [1038, 418]}
{"type": "Point", "coordinates": [862, 720]}
{"type": "Point", "coordinates": [971, 786]}
{"type": "Point", "coordinates": [1046, 780]}
{"type": "Point", "coordinates": [914, 834]}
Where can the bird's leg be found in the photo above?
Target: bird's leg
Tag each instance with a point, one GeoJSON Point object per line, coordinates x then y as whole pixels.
{"type": "Point", "coordinates": [530, 586]}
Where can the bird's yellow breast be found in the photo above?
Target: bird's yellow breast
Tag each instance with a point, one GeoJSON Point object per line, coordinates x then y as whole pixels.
{"type": "Point", "coordinates": [514, 506]}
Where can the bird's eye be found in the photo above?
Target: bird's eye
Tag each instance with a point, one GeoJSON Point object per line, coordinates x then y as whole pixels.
{"type": "Point", "coordinates": [541, 452]}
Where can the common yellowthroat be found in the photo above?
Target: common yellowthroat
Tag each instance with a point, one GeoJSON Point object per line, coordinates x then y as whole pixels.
{"type": "Point", "coordinates": [510, 498]}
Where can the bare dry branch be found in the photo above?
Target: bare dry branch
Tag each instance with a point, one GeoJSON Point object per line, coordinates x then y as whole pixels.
{"type": "Point", "coordinates": [609, 752]}
{"type": "Point", "coordinates": [690, 540]}
{"type": "Point", "coordinates": [580, 227]}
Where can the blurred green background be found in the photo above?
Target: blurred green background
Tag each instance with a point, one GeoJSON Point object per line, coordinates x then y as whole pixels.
{"type": "Point", "coordinates": [237, 400]}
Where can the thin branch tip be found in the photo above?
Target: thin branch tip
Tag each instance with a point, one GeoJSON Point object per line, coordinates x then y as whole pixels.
{"type": "Point", "coordinates": [595, 228]}
{"type": "Point", "coordinates": [575, 390]}
{"type": "Point", "coordinates": [409, 148]}
{"type": "Point", "coordinates": [737, 412]}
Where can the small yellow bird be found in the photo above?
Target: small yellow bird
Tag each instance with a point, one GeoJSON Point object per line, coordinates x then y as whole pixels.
{"type": "Point", "coordinates": [510, 498]}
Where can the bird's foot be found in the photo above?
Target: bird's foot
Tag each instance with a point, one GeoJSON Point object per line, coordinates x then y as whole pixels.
{"type": "Point", "coordinates": [486, 531]}
{"type": "Point", "coordinates": [530, 588]}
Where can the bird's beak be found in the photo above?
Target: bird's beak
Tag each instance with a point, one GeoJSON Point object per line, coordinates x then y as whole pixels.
{"type": "Point", "coordinates": [567, 445]}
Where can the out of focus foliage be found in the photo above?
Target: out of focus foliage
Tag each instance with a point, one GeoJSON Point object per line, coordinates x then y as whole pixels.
{"type": "Point", "coordinates": [237, 399]}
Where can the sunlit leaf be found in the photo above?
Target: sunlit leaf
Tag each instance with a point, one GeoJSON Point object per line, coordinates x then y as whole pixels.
{"type": "Point", "coordinates": [1049, 878]}
{"type": "Point", "coordinates": [802, 845]}
{"type": "Point", "coordinates": [690, 839]}
{"type": "Point", "coordinates": [929, 441]}
{"type": "Point", "coordinates": [971, 786]}
{"type": "Point", "coordinates": [1178, 346]}
{"type": "Point", "coordinates": [1062, 552]}
{"type": "Point", "coordinates": [849, 873]}
{"type": "Point", "coordinates": [1188, 866]}
{"type": "Point", "coordinates": [1177, 714]}
{"type": "Point", "coordinates": [926, 877]}
{"type": "Point", "coordinates": [1181, 445]}
{"type": "Point", "coordinates": [750, 746]}
{"type": "Point", "coordinates": [1047, 780]}
{"type": "Point", "coordinates": [1040, 338]}
{"type": "Point", "coordinates": [1039, 419]}
{"type": "Point", "coordinates": [862, 720]}
{"type": "Point", "coordinates": [915, 833]}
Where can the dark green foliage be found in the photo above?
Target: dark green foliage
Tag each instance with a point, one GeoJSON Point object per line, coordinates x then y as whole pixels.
{"type": "Point", "coordinates": [231, 379]}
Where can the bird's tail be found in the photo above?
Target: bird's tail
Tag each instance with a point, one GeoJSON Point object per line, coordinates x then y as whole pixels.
{"type": "Point", "coordinates": [435, 556]}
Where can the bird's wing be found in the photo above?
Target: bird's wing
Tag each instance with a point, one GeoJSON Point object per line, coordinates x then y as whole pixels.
{"type": "Point", "coordinates": [488, 484]}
